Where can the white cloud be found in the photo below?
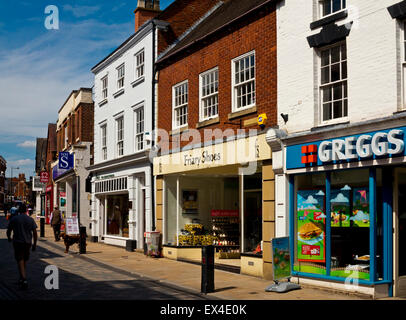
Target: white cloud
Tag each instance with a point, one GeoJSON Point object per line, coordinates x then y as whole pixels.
{"type": "Point", "coordinates": [38, 76]}
{"type": "Point", "coordinates": [28, 144]}
{"type": "Point", "coordinates": [340, 198]}
{"type": "Point", "coordinates": [21, 163]}
{"type": "Point", "coordinates": [346, 187]}
{"type": "Point", "coordinates": [360, 216]}
{"type": "Point", "coordinates": [320, 193]}
{"type": "Point", "coordinates": [311, 200]}
{"type": "Point", "coordinates": [81, 11]}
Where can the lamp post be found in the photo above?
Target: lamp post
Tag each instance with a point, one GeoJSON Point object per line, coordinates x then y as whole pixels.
{"type": "Point", "coordinates": [11, 180]}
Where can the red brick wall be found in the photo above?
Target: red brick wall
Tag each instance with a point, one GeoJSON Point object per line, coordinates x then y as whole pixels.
{"type": "Point", "coordinates": [142, 16]}
{"type": "Point", "coordinates": [257, 33]}
{"type": "Point", "coordinates": [181, 15]}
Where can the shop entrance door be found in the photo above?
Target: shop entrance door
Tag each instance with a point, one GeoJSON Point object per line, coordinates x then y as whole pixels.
{"type": "Point", "coordinates": [400, 232]}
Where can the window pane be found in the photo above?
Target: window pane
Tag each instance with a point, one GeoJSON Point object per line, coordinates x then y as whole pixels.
{"type": "Point", "coordinates": [326, 111]}
{"type": "Point", "coordinates": [336, 5]}
{"type": "Point", "coordinates": [337, 110]}
{"type": "Point", "coordinates": [327, 94]}
{"type": "Point", "coordinates": [335, 72]}
{"type": "Point", "coordinates": [337, 91]}
{"type": "Point", "coordinates": [335, 54]}
{"type": "Point", "coordinates": [325, 58]}
{"type": "Point", "coordinates": [327, 7]}
{"type": "Point", "coordinates": [325, 75]}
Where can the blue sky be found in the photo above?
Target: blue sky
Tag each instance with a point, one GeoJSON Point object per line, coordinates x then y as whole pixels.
{"type": "Point", "coordinates": [40, 67]}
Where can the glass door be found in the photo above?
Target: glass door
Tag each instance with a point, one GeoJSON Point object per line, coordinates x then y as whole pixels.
{"type": "Point", "coordinates": [400, 232]}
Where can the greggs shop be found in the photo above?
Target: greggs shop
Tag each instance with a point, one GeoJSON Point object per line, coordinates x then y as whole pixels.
{"type": "Point", "coordinates": [347, 210]}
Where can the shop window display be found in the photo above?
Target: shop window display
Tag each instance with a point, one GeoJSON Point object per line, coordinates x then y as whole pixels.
{"type": "Point", "coordinates": [117, 216]}
{"type": "Point", "coordinates": [349, 204]}
{"type": "Point", "coordinates": [252, 213]}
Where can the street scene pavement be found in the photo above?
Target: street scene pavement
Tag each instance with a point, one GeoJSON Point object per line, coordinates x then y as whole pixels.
{"type": "Point", "coordinates": [111, 273]}
{"type": "Point", "coordinates": [78, 279]}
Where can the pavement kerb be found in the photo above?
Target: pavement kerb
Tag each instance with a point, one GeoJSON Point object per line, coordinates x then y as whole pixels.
{"type": "Point", "coordinates": [165, 283]}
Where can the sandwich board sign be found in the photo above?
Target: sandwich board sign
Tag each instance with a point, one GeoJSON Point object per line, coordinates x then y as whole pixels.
{"type": "Point", "coordinates": [72, 226]}
{"type": "Point", "coordinates": [281, 266]}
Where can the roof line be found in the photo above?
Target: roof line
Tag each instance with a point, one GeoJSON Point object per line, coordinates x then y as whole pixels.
{"type": "Point", "coordinates": [193, 27]}
{"type": "Point", "coordinates": [214, 31]}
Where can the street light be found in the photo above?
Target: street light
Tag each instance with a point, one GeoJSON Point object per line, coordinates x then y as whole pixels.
{"type": "Point", "coordinates": [11, 180]}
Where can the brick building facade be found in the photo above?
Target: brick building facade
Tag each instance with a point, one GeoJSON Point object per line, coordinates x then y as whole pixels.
{"type": "Point", "coordinates": [221, 75]}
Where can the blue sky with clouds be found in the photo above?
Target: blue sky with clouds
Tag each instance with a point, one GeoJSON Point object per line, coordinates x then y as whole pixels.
{"type": "Point", "coordinates": [40, 67]}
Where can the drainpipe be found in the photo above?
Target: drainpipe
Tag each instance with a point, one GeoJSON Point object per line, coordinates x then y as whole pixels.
{"type": "Point", "coordinates": [153, 226]}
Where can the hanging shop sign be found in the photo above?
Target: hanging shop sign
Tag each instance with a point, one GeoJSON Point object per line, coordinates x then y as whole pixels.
{"type": "Point", "coordinates": [383, 144]}
{"type": "Point", "coordinates": [281, 258]}
{"type": "Point", "coordinates": [37, 185]}
{"type": "Point", "coordinates": [65, 161]}
{"type": "Point", "coordinates": [44, 177]}
{"type": "Point", "coordinates": [311, 223]}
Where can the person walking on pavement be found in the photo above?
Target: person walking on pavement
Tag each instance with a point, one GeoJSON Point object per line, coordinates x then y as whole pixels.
{"type": "Point", "coordinates": [24, 230]}
{"type": "Point", "coordinates": [56, 221]}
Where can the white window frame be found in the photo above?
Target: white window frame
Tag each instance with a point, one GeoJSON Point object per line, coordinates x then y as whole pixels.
{"type": "Point", "coordinates": [403, 63]}
{"type": "Point", "coordinates": [139, 70]}
{"type": "Point", "coordinates": [343, 81]}
{"type": "Point", "coordinates": [204, 96]}
{"type": "Point", "coordinates": [343, 5]}
{"type": "Point", "coordinates": [65, 131]}
{"type": "Point", "coordinates": [120, 142]}
{"type": "Point", "coordinates": [103, 141]}
{"type": "Point", "coordinates": [139, 128]}
{"type": "Point", "coordinates": [180, 104]}
{"type": "Point", "coordinates": [120, 76]}
{"type": "Point", "coordinates": [235, 86]}
{"type": "Point", "coordinates": [104, 86]}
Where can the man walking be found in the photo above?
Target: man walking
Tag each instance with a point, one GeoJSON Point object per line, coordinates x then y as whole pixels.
{"type": "Point", "coordinates": [24, 229]}
{"type": "Point", "coordinates": [56, 220]}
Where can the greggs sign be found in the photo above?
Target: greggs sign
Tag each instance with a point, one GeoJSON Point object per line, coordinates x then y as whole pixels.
{"type": "Point", "coordinates": [373, 145]}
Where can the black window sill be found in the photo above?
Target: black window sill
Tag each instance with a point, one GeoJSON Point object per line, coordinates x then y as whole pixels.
{"type": "Point", "coordinates": [327, 20]}
{"type": "Point", "coordinates": [252, 255]}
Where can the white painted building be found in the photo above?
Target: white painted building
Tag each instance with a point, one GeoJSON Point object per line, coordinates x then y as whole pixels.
{"type": "Point", "coordinates": [341, 101]}
{"type": "Point", "coordinates": [122, 183]}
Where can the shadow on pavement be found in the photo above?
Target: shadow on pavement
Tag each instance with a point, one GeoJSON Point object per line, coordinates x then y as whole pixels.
{"type": "Point", "coordinates": [78, 279]}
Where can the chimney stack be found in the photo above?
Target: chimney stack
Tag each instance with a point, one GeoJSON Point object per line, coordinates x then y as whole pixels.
{"type": "Point", "coordinates": [146, 10]}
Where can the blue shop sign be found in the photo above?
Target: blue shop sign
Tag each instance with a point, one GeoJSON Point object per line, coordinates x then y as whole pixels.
{"type": "Point", "coordinates": [381, 144]}
{"type": "Point", "coordinates": [65, 161]}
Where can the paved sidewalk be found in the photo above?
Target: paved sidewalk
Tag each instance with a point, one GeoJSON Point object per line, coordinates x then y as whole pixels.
{"type": "Point", "coordinates": [228, 286]}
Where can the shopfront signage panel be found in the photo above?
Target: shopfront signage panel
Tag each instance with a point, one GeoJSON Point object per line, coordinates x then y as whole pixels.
{"type": "Point", "coordinates": [373, 145]}
{"type": "Point", "coordinates": [239, 151]}
{"type": "Point", "coordinates": [44, 177]}
{"type": "Point", "coordinates": [281, 258]}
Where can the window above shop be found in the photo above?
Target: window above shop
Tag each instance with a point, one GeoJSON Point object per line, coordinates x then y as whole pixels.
{"type": "Point", "coordinates": [180, 96]}
{"type": "Point", "coordinates": [209, 84]}
{"type": "Point", "coordinates": [328, 7]}
{"type": "Point", "coordinates": [333, 83]}
{"type": "Point", "coordinates": [243, 82]}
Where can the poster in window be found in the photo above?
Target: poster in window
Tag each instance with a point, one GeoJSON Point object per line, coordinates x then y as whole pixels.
{"type": "Point", "coordinates": [360, 209]}
{"type": "Point", "coordinates": [340, 207]}
{"type": "Point", "coordinates": [311, 221]}
{"type": "Point", "coordinates": [189, 202]}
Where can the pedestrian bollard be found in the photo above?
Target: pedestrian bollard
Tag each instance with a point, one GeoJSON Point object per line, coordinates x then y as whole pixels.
{"type": "Point", "coordinates": [42, 227]}
{"type": "Point", "coordinates": [207, 269]}
{"type": "Point", "coordinates": [82, 240]}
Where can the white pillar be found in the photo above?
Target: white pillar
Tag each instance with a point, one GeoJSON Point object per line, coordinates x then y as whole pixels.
{"type": "Point", "coordinates": [95, 213]}
{"type": "Point", "coordinates": [177, 210]}
{"type": "Point", "coordinates": [133, 213]}
{"type": "Point", "coordinates": [241, 187]}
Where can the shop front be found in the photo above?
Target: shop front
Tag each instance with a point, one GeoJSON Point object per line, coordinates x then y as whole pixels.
{"type": "Point", "coordinates": [345, 198]}
{"type": "Point", "coordinates": [121, 205]}
{"type": "Point", "coordinates": [213, 195]}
